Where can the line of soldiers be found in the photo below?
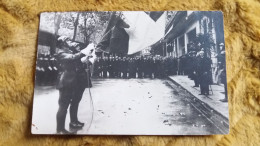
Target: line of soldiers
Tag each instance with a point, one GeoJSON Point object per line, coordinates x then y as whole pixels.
{"type": "Point", "coordinates": [189, 64]}
{"type": "Point", "coordinates": [46, 70]}
{"type": "Point", "coordinates": [135, 67]}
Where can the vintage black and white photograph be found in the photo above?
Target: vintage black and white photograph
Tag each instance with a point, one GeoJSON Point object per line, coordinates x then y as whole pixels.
{"type": "Point", "coordinates": [131, 73]}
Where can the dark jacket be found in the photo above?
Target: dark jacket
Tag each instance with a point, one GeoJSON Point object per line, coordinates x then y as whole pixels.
{"type": "Point", "coordinates": [72, 72]}
{"type": "Point", "coordinates": [204, 69]}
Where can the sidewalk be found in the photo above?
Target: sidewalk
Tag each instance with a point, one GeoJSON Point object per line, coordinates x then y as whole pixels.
{"type": "Point", "coordinates": [210, 100]}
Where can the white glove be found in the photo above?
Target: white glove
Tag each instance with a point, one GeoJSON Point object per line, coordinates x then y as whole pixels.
{"type": "Point", "coordinates": [84, 59]}
{"type": "Point", "coordinates": [50, 68]}
{"type": "Point", "coordinates": [62, 38]}
{"type": "Point", "coordinates": [88, 50]}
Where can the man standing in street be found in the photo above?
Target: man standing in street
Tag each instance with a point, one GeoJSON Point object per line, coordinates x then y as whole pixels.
{"type": "Point", "coordinates": [72, 81]}
{"type": "Point", "coordinates": [204, 67]}
{"type": "Point", "coordinates": [105, 67]}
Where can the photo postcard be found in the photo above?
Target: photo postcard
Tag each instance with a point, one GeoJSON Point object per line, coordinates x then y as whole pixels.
{"type": "Point", "coordinates": [130, 73]}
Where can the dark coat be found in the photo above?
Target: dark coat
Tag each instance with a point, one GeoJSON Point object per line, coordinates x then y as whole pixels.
{"type": "Point", "coordinates": [222, 68]}
{"type": "Point", "coordinates": [72, 71]}
{"type": "Point", "coordinates": [204, 70]}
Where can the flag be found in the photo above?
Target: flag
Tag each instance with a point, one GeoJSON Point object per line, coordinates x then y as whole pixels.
{"type": "Point", "coordinates": [146, 28]}
{"type": "Point", "coordinates": [132, 32]}
{"type": "Point", "coordinates": [115, 39]}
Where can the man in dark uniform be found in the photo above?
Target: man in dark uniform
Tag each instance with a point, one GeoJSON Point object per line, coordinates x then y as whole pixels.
{"type": "Point", "coordinates": [145, 67]}
{"type": "Point", "coordinates": [110, 67]}
{"type": "Point", "coordinates": [140, 67]}
{"type": "Point", "coordinates": [157, 67]}
{"type": "Point", "coordinates": [189, 65]}
{"type": "Point", "coordinates": [161, 68]}
{"type": "Point", "coordinates": [150, 67]}
{"type": "Point", "coordinates": [194, 69]}
{"type": "Point", "coordinates": [105, 67]}
{"type": "Point", "coordinates": [124, 67]}
{"type": "Point", "coordinates": [96, 68]}
{"type": "Point", "coordinates": [72, 81]}
{"type": "Point", "coordinates": [135, 67]}
{"type": "Point", "coordinates": [116, 67]}
{"type": "Point", "coordinates": [119, 67]}
{"type": "Point", "coordinates": [101, 65]}
{"type": "Point", "coordinates": [132, 68]}
{"type": "Point", "coordinates": [204, 67]}
{"type": "Point", "coordinates": [173, 66]}
{"type": "Point", "coordinates": [153, 65]}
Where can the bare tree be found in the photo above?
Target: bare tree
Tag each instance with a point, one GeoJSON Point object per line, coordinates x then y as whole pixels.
{"type": "Point", "coordinates": [57, 21]}
{"type": "Point", "coordinates": [76, 22]}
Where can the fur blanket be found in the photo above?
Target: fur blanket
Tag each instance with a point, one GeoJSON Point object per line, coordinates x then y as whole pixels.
{"type": "Point", "coordinates": [19, 22]}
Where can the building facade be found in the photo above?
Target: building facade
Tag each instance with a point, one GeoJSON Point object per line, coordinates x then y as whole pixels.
{"type": "Point", "coordinates": [191, 31]}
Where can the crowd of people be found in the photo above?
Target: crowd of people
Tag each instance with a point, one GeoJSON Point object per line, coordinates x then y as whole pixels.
{"type": "Point", "coordinates": [199, 69]}
{"type": "Point", "coordinates": [126, 67]}
{"type": "Point", "coordinates": [196, 65]}
{"type": "Point", "coordinates": [135, 67]}
{"type": "Point", "coordinates": [47, 68]}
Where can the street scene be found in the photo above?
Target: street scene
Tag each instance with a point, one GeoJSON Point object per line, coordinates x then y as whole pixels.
{"type": "Point", "coordinates": [135, 107]}
{"type": "Point", "coordinates": [131, 73]}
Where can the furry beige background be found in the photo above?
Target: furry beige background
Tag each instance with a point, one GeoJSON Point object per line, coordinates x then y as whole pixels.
{"type": "Point", "coordinates": [19, 20]}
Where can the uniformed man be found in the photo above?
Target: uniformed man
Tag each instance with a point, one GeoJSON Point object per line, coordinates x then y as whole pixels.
{"type": "Point", "coordinates": [110, 68]}
{"type": "Point", "coordinates": [131, 68]}
{"type": "Point", "coordinates": [153, 65]}
{"type": "Point", "coordinates": [105, 67]}
{"type": "Point", "coordinates": [124, 67]}
{"type": "Point", "coordinates": [145, 67]}
{"type": "Point", "coordinates": [96, 67]}
{"type": "Point", "coordinates": [72, 81]}
{"type": "Point", "coordinates": [140, 67]}
{"type": "Point", "coordinates": [101, 67]}
{"type": "Point", "coordinates": [157, 67]}
{"type": "Point", "coordinates": [119, 67]}
{"type": "Point", "coordinates": [116, 67]}
{"type": "Point", "coordinates": [194, 69]}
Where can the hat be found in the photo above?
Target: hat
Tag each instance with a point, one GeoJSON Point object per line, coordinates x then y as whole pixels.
{"type": "Point", "coordinates": [200, 52]}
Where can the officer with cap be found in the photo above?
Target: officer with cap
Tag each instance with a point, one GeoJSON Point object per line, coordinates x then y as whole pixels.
{"type": "Point", "coordinates": [72, 81]}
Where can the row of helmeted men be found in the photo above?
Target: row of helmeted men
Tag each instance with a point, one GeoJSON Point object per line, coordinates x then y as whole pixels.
{"type": "Point", "coordinates": [135, 67]}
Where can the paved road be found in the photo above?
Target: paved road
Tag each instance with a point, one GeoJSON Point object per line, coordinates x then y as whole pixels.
{"type": "Point", "coordinates": [131, 107]}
